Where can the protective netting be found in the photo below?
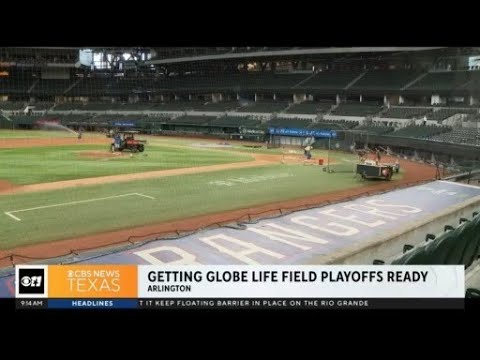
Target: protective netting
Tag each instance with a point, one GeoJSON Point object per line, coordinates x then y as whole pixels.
{"type": "Point", "coordinates": [100, 88]}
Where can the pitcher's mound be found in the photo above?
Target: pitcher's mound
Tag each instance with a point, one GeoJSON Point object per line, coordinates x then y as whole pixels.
{"type": "Point", "coordinates": [101, 154]}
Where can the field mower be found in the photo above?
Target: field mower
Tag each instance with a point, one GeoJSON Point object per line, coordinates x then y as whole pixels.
{"type": "Point", "coordinates": [125, 140]}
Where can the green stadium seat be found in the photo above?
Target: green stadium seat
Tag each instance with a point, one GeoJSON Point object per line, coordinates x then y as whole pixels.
{"type": "Point", "coordinates": [441, 81]}
{"type": "Point", "coordinates": [472, 248]}
{"type": "Point", "coordinates": [385, 80]}
{"type": "Point", "coordinates": [458, 250]}
{"type": "Point", "coordinates": [448, 228]}
{"type": "Point", "coordinates": [472, 293]}
{"type": "Point", "coordinates": [460, 246]}
{"type": "Point", "coordinates": [429, 237]}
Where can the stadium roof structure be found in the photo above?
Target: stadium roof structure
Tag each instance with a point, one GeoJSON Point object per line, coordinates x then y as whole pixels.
{"type": "Point", "coordinates": [272, 52]}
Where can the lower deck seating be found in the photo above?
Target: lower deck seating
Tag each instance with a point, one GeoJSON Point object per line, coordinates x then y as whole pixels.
{"type": "Point", "coordinates": [466, 136]}
{"type": "Point", "coordinates": [350, 109]}
{"type": "Point", "coordinates": [376, 129]}
{"type": "Point", "coordinates": [420, 131]}
{"type": "Point", "coordinates": [289, 122]}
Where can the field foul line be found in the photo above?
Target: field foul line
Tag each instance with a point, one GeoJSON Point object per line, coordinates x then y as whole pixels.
{"type": "Point", "coordinates": [9, 213]}
{"type": "Point", "coordinates": [12, 216]}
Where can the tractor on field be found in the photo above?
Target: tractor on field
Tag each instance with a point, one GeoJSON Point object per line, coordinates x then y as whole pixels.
{"type": "Point", "coordinates": [371, 169]}
{"type": "Point", "coordinates": [125, 140]}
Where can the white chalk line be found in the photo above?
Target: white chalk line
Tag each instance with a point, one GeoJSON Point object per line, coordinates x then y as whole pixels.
{"type": "Point", "coordinates": [150, 197]}
{"type": "Point", "coordinates": [9, 213]}
{"type": "Point", "coordinates": [12, 216]}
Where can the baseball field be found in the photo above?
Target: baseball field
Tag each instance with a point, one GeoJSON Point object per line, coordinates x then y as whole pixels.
{"type": "Point", "coordinates": [55, 188]}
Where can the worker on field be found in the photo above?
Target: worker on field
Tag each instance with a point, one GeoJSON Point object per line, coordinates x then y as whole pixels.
{"type": "Point", "coordinates": [361, 156]}
{"type": "Point", "coordinates": [308, 152]}
{"type": "Point", "coordinates": [378, 157]}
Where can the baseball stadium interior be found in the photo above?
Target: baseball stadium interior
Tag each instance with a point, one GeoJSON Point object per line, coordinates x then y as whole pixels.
{"type": "Point", "coordinates": [240, 155]}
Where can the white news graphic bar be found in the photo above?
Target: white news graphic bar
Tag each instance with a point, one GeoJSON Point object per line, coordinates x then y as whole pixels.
{"type": "Point", "coordinates": [325, 281]}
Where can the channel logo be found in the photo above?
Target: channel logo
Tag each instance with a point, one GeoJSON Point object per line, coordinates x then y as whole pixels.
{"type": "Point", "coordinates": [28, 282]}
{"type": "Point", "coordinates": [92, 281]}
{"type": "Point", "coordinates": [31, 281]}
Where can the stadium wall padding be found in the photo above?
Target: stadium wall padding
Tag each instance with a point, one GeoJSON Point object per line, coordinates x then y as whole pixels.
{"type": "Point", "coordinates": [389, 249]}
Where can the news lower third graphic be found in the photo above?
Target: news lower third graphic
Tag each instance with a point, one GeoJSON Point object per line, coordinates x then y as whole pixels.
{"type": "Point", "coordinates": [238, 287]}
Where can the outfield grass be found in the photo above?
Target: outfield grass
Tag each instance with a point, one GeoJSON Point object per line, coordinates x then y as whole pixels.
{"type": "Point", "coordinates": [46, 164]}
{"type": "Point", "coordinates": [175, 198]}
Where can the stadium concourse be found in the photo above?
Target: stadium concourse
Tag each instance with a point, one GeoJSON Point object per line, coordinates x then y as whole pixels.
{"type": "Point", "coordinates": [419, 104]}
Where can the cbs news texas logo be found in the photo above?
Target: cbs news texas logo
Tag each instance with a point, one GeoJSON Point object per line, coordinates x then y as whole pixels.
{"type": "Point", "coordinates": [31, 281]}
{"type": "Point", "coordinates": [76, 281]}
